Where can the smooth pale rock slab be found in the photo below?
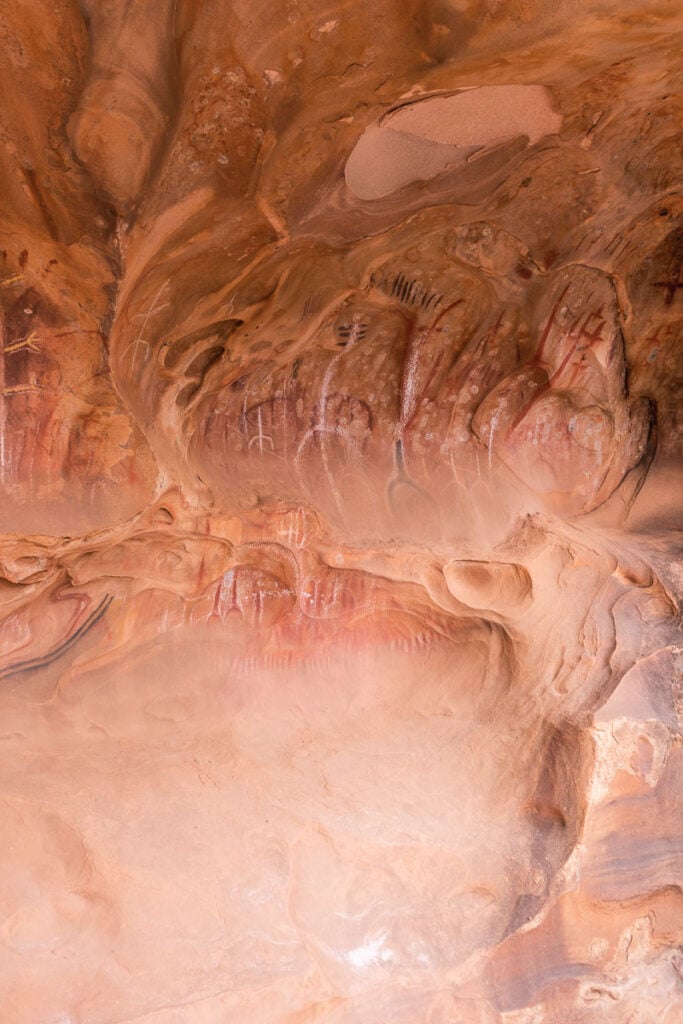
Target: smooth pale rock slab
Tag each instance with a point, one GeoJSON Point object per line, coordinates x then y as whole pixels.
{"type": "Point", "coordinates": [421, 139]}
{"type": "Point", "coordinates": [480, 115]}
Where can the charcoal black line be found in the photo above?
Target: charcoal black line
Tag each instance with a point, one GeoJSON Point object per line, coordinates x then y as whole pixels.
{"type": "Point", "coordinates": [46, 659]}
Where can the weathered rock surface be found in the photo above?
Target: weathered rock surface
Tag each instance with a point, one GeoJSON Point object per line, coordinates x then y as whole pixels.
{"type": "Point", "coordinates": [340, 565]}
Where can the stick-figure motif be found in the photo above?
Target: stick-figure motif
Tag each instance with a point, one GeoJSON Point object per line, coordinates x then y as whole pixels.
{"type": "Point", "coordinates": [26, 344]}
{"type": "Point", "coordinates": [262, 422]}
{"type": "Point", "coordinates": [22, 348]}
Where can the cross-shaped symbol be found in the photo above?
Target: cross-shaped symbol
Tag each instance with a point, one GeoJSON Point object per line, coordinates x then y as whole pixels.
{"type": "Point", "coordinates": [662, 333]}
{"type": "Point", "coordinates": [671, 285]}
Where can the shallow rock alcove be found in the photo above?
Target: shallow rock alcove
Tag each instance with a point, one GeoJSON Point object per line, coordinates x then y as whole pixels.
{"type": "Point", "coordinates": [340, 526]}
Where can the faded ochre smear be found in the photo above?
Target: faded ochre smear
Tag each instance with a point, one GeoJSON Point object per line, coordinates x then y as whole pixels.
{"type": "Point", "coordinates": [421, 140]}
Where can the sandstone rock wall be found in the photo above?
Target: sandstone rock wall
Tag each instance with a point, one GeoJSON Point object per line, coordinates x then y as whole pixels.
{"type": "Point", "coordinates": [340, 565]}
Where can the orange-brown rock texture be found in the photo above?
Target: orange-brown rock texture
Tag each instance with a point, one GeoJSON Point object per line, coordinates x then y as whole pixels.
{"type": "Point", "coordinates": [340, 512]}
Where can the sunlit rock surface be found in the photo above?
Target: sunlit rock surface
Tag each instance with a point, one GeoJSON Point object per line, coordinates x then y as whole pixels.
{"type": "Point", "coordinates": [340, 526]}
